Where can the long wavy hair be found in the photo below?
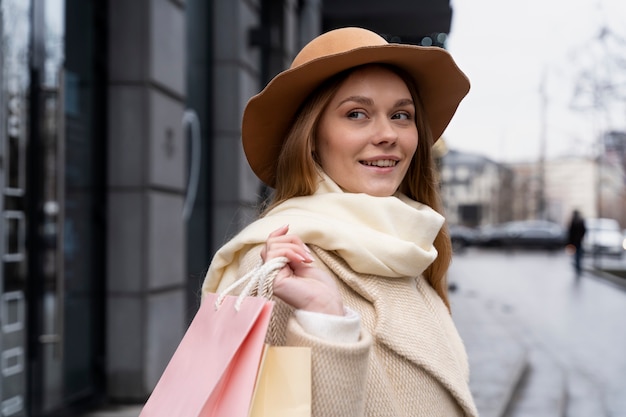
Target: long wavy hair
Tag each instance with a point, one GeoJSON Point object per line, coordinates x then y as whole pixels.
{"type": "Point", "coordinates": [297, 165]}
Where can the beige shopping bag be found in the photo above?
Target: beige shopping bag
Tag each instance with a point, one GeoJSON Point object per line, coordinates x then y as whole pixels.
{"type": "Point", "coordinates": [283, 386]}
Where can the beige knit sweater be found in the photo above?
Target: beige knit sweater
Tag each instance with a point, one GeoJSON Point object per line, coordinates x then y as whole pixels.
{"type": "Point", "coordinates": [409, 360]}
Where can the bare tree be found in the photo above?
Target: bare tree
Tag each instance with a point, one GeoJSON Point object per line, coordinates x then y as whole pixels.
{"type": "Point", "coordinates": [601, 83]}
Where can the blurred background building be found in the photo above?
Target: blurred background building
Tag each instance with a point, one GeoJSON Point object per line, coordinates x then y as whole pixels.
{"type": "Point", "coordinates": [121, 172]}
{"type": "Point", "coordinates": [480, 192]}
{"type": "Point", "coordinates": [476, 190]}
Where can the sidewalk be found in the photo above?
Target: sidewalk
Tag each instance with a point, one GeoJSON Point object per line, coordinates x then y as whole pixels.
{"type": "Point", "coordinates": [511, 374]}
{"type": "Point", "coordinates": [498, 359]}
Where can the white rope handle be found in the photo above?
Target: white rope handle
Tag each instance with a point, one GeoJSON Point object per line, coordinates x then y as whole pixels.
{"type": "Point", "coordinates": [257, 278]}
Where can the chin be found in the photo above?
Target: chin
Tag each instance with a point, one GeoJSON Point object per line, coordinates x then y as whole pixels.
{"type": "Point", "coordinates": [380, 193]}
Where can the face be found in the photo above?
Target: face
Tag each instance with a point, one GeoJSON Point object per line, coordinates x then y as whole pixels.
{"type": "Point", "coordinates": [367, 134]}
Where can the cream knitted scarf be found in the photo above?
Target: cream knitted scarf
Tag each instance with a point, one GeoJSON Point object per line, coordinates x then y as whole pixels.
{"type": "Point", "coordinates": [385, 236]}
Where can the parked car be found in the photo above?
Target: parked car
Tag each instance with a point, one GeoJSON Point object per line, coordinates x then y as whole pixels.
{"type": "Point", "coordinates": [493, 235]}
{"type": "Point", "coordinates": [462, 237]}
{"type": "Point", "coordinates": [603, 237]}
{"type": "Point", "coordinates": [531, 234]}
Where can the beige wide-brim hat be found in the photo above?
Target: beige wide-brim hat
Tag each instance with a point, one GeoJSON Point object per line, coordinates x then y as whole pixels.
{"type": "Point", "coordinates": [269, 114]}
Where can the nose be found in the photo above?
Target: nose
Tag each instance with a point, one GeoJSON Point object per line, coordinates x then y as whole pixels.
{"type": "Point", "coordinates": [385, 132]}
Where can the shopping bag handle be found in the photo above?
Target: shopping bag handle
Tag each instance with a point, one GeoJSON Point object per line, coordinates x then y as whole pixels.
{"type": "Point", "coordinates": [258, 282]}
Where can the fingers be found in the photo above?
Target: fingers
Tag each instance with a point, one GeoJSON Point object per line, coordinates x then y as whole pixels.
{"type": "Point", "coordinates": [279, 244]}
{"type": "Point", "coordinates": [281, 231]}
{"type": "Point", "coordinates": [299, 283]}
{"type": "Point", "coordinates": [310, 289]}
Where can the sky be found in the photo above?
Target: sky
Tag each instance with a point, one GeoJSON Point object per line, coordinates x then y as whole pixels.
{"type": "Point", "coordinates": [533, 65]}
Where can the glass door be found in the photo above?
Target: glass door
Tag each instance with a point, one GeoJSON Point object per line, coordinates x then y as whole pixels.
{"type": "Point", "coordinates": [45, 195]}
{"type": "Point", "coordinates": [66, 194]}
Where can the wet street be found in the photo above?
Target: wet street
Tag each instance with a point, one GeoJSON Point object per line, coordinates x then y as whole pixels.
{"type": "Point", "coordinates": [579, 321]}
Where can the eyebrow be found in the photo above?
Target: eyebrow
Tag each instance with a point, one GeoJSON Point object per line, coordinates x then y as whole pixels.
{"type": "Point", "coordinates": [368, 101]}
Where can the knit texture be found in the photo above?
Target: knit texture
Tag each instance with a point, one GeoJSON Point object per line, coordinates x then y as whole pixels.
{"type": "Point", "coordinates": [409, 360]}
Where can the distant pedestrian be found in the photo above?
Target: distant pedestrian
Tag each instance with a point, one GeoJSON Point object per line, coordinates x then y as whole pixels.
{"type": "Point", "coordinates": [575, 238]}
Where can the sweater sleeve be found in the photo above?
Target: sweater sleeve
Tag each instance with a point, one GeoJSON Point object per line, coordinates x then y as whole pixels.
{"type": "Point", "coordinates": [338, 372]}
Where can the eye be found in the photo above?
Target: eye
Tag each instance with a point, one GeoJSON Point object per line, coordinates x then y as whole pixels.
{"type": "Point", "coordinates": [356, 114]}
{"type": "Point", "coordinates": [402, 116]}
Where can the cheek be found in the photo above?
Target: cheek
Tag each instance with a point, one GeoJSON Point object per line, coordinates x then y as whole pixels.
{"type": "Point", "coordinates": [412, 144]}
{"type": "Point", "coordinates": [322, 152]}
{"type": "Point", "coordinates": [326, 144]}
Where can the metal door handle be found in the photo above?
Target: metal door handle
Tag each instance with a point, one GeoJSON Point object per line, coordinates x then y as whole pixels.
{"type": "Point", "coordinates": [49, 338]}
{"type": "Point", "coordinates": [190, 119]}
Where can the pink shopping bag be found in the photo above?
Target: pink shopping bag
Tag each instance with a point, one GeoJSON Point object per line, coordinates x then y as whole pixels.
{"type": "Point", "coordinates": [213, 371]}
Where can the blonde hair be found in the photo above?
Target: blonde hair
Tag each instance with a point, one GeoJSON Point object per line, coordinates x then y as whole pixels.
{"type": "Point", "coordinates": [296, 169]}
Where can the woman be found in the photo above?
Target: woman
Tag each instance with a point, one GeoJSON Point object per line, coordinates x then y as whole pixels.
{"type": "Point", "coordinates": [344, 136]}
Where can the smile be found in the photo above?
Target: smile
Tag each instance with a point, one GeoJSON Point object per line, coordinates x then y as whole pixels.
{"type": "Point", "coordinates": [381, 163]}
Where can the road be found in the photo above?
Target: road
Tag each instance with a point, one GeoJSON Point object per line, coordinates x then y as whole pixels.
{"type": "Point", "coordinates": [580, 321]}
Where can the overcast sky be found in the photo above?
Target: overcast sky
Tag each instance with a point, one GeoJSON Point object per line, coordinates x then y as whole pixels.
{"type": "Point", "coordinates": [507, 48]}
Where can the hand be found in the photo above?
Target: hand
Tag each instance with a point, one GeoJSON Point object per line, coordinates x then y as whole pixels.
{"type": "Point", "coordinates": [301, 284]}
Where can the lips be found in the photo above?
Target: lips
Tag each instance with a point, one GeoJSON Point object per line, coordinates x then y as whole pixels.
{"type": "Point", "coordinates": [383, 163]}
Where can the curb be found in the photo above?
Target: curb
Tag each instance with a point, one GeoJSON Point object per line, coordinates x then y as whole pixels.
{"type": "Point", "coordinates": [542, 391]}
{"type": "Point", "coordinates": [615, 279]}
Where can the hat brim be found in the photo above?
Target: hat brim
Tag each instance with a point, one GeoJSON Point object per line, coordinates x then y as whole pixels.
{"type": "Point", "coordinates": [269, 114]}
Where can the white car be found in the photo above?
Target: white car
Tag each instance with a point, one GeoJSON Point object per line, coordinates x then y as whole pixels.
{"type": "Point", "coordinates": [603, 236]}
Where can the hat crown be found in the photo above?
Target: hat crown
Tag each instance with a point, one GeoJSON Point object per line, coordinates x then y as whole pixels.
{"type": "Point", "coordinates": [335, 42]}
